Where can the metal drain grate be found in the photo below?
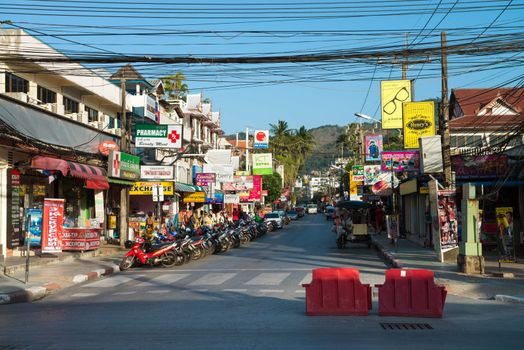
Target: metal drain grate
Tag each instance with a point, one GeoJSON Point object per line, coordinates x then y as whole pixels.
{"type": "Point", "coordinates": [406, 326]}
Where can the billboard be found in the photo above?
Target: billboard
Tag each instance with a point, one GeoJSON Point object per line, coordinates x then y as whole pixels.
{"type": "Point", "coordinates": [357, 173]}
{"type": "Point", "coordinates": [400, 161]}
{"type": "Point", "coordinates": [205, 179]}
{"type": "Point", "coordinates": [373, 147]}
{"type": "Point", "coordinates": [261, 139]}
{"type": "Point", "coordinates": [371, 174]}
{"type": "Point", "coordinates": [392, 94]}
{"type": "Point", "coordinates": [418, 120]}
{"type": "Point", "coordinates": [124, 166]}
{"type": "Point", "coordinates": [158, 136]}
{"type": "Point", "coordinates": [157, 172]}
{"type": "Point", "coordinates": [262, 164]}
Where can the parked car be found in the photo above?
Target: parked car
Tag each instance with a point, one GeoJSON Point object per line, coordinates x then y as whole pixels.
{"type": "Point", "coordinates": [300, 211]}
{"type": "Point", "coordinates": [276, 218]}
{"type": "Point", "coordinates": [330, 210]}
{"type": "Point", "coordinates": [284, 216]}
{"type": "Point", "coordinates": [312, 209]}
{"type": "Point", "coordinates": [292, 214]}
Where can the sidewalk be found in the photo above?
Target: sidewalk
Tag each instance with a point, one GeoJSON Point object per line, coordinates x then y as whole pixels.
{"type": "Point", "coordinates": [54, 271]}
{"type": "Point", "coordinates": [407, 254]}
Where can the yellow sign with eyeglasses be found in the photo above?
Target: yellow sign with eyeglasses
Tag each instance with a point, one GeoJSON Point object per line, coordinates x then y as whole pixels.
{"type": "Point", "coordinates": [392, 94]}
{"type": "Point", "coordinates": [419, 120]}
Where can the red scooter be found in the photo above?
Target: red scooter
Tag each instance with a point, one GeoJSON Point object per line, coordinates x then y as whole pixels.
{"type": "Point", "coordinates": [142, 253]}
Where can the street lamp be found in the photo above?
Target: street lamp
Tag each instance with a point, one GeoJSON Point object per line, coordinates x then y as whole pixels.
{"type": "Point", "coordinates": [367, 117]}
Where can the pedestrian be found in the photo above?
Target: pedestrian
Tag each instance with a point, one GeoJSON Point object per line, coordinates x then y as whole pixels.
{"type": "Point", "coordinates": [501, 233]}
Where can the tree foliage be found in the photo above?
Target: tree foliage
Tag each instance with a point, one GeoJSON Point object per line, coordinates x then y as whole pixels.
{"type": "Point", "coordinates": [174, 85]}
{"type": "Point", "coordinates": [273, 185]}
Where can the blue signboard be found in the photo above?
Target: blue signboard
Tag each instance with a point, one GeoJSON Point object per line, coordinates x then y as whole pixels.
{"type": "Point", "coordinates": [33, 225]}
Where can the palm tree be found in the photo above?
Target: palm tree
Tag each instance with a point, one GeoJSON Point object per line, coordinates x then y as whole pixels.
{"type": "Point", "coordinates": [174, 85]}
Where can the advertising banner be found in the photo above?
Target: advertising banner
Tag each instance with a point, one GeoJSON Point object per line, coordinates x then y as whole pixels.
{"type": "Point", "coordinates": [400, 161]}
{"type": "Point", "coordinates": [218, 198]}
{"type": "Point", "coordinates": [123, 166]}
{"type": "Point", "coordinates": [505, 217]}
{"type": "Point", "coordinates": [447, 216]}
{"type": "Point", "coordinates": [157, 172]}
{"type": "Point", "coordinates": [81, 239]}
{"type": "Point", "coordinates": [231, 199]}
{"type": "Point", "coordinates": [52, 225]}
{"type": "Point", "coordinates": [146, 188]}
{"type": "Point", "coordinates": [262, 164]}
{"type": "Point", "coordinates": [371, 174]}
{"type": "Point", "coordinates": [419, 120]}
{"type": "Point", "coordinates": [384, 183]}
{"type": "Point", "coordinates": [255, 194]}
{"type": "Point", "coordinates": [158, 136]}
{"type": "Point", "coordinates": [392, 94]}
{"type": "Point", "coordinates": [33, 226]}
{"type": "Point", "coordinates": [13, 213]}
{"type": "Point", "coordinates": [205, 179]}
{"type": "Point", "coordinates": [357, 173]}
{"type": "Point", "coordinates": [373, 147]}
{"type": "Point", "coordinates": [261, 139]}
{"type": "Point", "coordinates": [196, 197]}
{"type": "Point", "coordinates": [467, 167]}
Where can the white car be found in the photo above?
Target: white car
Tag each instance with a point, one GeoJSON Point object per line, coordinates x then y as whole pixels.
{"type": "Point", "coordinates": [312, 209]}
{"type": "Point", "coordinates": [276, 218]}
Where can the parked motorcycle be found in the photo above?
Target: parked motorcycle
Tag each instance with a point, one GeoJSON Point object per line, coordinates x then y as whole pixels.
{"type": "Point", "coordinates": [142, 252]}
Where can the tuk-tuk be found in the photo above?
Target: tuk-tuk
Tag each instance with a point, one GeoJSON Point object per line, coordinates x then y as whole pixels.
{"type": "Point", "coordinates": [357, 231]}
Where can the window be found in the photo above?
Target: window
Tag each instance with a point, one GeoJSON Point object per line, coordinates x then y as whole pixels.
{"type": "Point", "coordinates": [45, 95]}
{"type": "Point", "coordinates": [70, 106]}
{"type": "Point", "coordinates": [474, 141]}
{"type": "Point", "coordinates": [92, 114]}
{"type": "Point", "coordinates": [15, 84]}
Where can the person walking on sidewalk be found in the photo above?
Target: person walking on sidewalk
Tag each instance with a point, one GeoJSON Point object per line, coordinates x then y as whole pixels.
{"type": "Point", "coordinates": [501, 233]}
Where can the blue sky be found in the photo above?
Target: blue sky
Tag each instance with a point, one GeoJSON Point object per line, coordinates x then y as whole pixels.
{"type": "Point", "coordinates": [254, 95]}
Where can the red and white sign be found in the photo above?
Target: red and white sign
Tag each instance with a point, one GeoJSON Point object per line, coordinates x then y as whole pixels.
{"type": "Point", "coordinates": [261, 139]}
{"type": "Point", "coordinates": [81, 238]}
{"type": "Point", "coordinates": [52, 225]}
{"type": "Point", "coordinates": [115, 161]}
{"type": "Point", "coordinates": [107, 146]}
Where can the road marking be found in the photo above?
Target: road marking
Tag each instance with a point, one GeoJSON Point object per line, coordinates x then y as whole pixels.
{"type": "Point", "coordinates": [163, 280]}
{"type": "Point", "coordinates": [84, 295]}
{"type": "Point", "coordinates": [271, 291]}
{"type": "Point", "coordinates": [113, 281]}
{"type": "Point", "coordinates": [159, 291]}
{"type": "Point", "coordinates": [268, 279]}
{"type": "Point", "coordinates": [125, 293]}
{"type": "Point", "coordinates": [235, 290]}
{"type": "Point", "coordinates": [301, 291]}
{"type": "Point", "coordinates": [213, 279]}
{"type": "Point", "coordinates": [200, 290]}
{"type": "Point", "coordinates": [306, 279]}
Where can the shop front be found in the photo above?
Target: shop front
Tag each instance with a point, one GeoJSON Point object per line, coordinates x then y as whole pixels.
{"type": "Point", "coordinates": [415, 213]}
{"type": "Point", "coordinates": [146, 197]}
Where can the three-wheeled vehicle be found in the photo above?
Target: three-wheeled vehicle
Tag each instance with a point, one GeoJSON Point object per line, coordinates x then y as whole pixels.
{"type": "Point", "coordinates": [357, 229]}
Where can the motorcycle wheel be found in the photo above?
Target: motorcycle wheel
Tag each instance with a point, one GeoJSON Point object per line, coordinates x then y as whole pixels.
{"type": "Point", "coordinates": [197, 254]}
{"type": "Point", "coordinates": [179, 259]}
{"type": "Point", "coordinates": [126, 263]}
{"type": "Point", "coordinates": [168, 259]}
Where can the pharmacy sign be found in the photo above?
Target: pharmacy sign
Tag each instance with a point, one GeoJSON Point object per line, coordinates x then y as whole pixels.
{"type": "Point", "coordinates": [158, 136]}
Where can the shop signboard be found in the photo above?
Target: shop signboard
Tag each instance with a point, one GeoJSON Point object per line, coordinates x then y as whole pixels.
{"type": "Point", "coordinates": [371, 174]}
{"type": "Point", "coordinates": [448, 223]}
{"type": "Point", "coordinates": [205, 179]}
{"type": "Point", "coordinates": [146, 188]}
{"type": "Point", "coordinates": [392, 94]}
{"type": "Point", "coordinates": [467, 167]}
{"type": "Point", "coordinates": [400, 161]}
{"type": "Point", "coordinates": [81, 239]}
{"type": "Point", "coordinates": [373, 147]}
{"type": "Point", "coordinates": [255, 194]}
{"type": "Point", "coordinates": [217, 198]}
{"type": "Point", "coordinates": [231, 198]}
{"type": "Point", "coordinates": [33, 226]}
{"type": "Point", "coordinates": [505, 217]}
{"type": "Point", "coordinates": [157, 172]}
{"type": "Point", "coordinates": [262, 164]}
{"type": "Point", "coordinates": [385, 183]}
{"type": "Point", "coordinates": [195, 197]}
{"type": "Point", "coordinates": [106, 146]}
{"type": "Point", "coordinates": [13, 215]}
{"type": "Point", "coordinates": [99, 206]}
{"type": "Point", "coordinates": [123, 166]}
{"type": "Point", "coordinates": [52, 225]}
{"type": "Point", "coordinates": [158, 136]}
{"type": "Point", "coordinates": [357, 173]}
{"type": "Point", "coordinates": [261, 139]}
{"type": "Point", "coordinates": [418, 121]}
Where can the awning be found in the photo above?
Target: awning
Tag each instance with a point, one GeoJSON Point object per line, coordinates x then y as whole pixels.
{"type": "Point", "coordinates": [95, 177]}
{"type": "Point", "coordinates": [182, 187]}
{"type": "Point", "coordinates": [120, 181]}
{"type": "Point", "coordinates": [198, 188]}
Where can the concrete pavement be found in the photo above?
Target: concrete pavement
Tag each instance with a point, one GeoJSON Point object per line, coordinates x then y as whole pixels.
{"type": "Point", "coordinates": [407, 254]}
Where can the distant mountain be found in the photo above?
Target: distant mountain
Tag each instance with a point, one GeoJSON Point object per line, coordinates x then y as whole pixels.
{"type": "Point", "coordinates": [325, 150]}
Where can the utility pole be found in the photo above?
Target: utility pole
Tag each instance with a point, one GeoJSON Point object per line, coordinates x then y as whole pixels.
{"type": "Point", "coordinates": [405, 63]}
{"type": "Point", "coordinates": [247, 150]}
{"type": "Point", "coordinates": [124, 190]}
{"type": "Point", "coordinates": [444, 119]}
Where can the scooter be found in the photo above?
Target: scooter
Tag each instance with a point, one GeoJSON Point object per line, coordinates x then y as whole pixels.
{"type": "Point", "coordinates": [143, 253]}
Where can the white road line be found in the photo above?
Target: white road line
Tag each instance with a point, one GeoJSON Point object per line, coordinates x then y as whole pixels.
{"type": "Point", "coordinates": [268, 279]}
{"type": "Point", "coordinates": [200, 290]}
{"type": "Point", "coordinates": [159, 291]}
{"type": "Point", "coordinates": [271, 291]}
{"type": "Point", "coordinates": [113, 281]}
{"type": "Point", "coordinates": [163, 280]}
{"type": "Point", "coordinates": [301, 291]}
{"type": "Point", "coordinates": [234, 290]}
{"type": "Point", "coordinates": [84, 295]}
{"type": "Point", "coordinates": [125, 293]}
{"type": "Point", "coordinates": [213, 279]}
{"type": "Point", "coordinates": [306, 279]}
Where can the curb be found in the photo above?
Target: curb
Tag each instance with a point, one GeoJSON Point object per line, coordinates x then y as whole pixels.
{"type": "Point", "coordinates": [385, 255]}
{"type": "Point", "coordinates": [509, 299]}
{"type": "Point", "coordinates": [39, 292]}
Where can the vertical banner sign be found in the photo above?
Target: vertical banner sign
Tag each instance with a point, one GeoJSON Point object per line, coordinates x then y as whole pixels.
{"type": "Point", "coordinates": [261, 139]}
{"type": "Point", "coordinates": [373, 147]}
{"type": "Point", "coordinates": [392, 94]}
{"type": "Point", "coordinates": [33, 226]}
{"type": "Point", "coordinates": [52, 225]}
{"type": "Point", "coordinates": [262, 164]}
{"type": "Point", "coordinates": [99, 206]}
{"type": "Point", "coordinates": [255, 194]}
{"type": "Point", "coordinates": [13, 216]}
{"type": "Point", "coordinates": [357, 173]}
{"type": "Point", "coordinates": [419, 120]}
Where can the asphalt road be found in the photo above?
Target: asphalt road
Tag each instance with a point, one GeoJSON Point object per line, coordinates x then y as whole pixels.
{"type": "Point", "coordinates": [246, 298]}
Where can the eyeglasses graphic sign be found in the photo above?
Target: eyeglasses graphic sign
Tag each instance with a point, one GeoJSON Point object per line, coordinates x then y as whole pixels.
{"type": "Point", "coordinates": [393, 93]}
{"type": "Point", "coordinates": [419, 120]}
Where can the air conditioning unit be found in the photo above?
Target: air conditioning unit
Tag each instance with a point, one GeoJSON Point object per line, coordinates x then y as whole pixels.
{"type": "Point", "coordinates": [21, 96]}
{"type": "Point", "coordinates": [101, 125]}
{"type": "Point", "coordinates": [82, 117]}
{"type": "Point", "coordinates": [118, 132]}
{"type": "Point", "coordinates": [73, 116]}
{"type": "Point", "coordinates": [93, 124]}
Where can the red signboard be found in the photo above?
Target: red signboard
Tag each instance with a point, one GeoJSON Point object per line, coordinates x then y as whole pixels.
{"type": "Point", "coordinates": [81, 238]}
{"type": "Point", "coordinates": [52, 225]}
{"type": "Point", "coordinates": [107, 146]}
{"type": "Point", "coordinates": [255, 194]}
{"type": "Point", "coordinates": [479, 166]}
